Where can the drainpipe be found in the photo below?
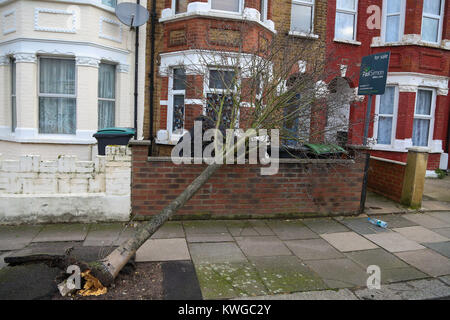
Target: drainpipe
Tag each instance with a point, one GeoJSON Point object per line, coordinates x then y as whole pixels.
{"type": "Point", "coordinates": [152, 70]}
{"type": "Point", "coordinates": [136, 74]}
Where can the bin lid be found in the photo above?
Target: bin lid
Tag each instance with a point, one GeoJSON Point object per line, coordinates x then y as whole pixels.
{"type": "Point", "coordinates": [116, 131]}
{"type": "Point", "coordinates": [325, 148]}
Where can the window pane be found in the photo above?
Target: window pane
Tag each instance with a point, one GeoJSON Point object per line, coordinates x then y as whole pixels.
{"type": "Point", "coordinates": [430, 29]}
{"type": "Point", "coordinates": [424, 98]}
{"type": "Point", "coordinates": [387, 101]}
{"type": "Point", "coordinates": [392, 28]}
{"type": "Point", "coordinates": [346, 4]}
{"type": "Point", "coordinates": [107, 81]}
{"type": "Point", "coordinates": [217, 101]}
{"type": "Point", "coordinates": [57, 115]}
{"type": "Point", "coordinates": [178, 114]}
{"type": "Point", "coordinates": [421, 130]}
{"type": "Point", "coordinates": [226, 5]}
{"type": "Point", "coordinates": [344, 26]}
{"type": "Point", "coordinates": [432, 7]}
{"type": "Point", "coordinates": [179, 79]}
{"type": "Point", "coordinates": [111, 3]}
{"type": "Point", "coordinates": [181, 6]}
{"type": "Point", "coordinates": [262, 9]}
{"type": "Point", "coordinates": [301, 18]}
{"type": "Point", "coordinates": [384, 130]}
{"type": "Point", "coordinates": [394, 6]}
{"type": "Point", "coordinates": [57, 76]}
{"type": "Point", "coordinates": [219, 79]}
{"type": "Point", "coordinates": [106, 114]}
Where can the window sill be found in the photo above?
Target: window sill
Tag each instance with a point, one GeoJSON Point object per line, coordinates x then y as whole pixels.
{"type": "Point", "coordinates": [352, 42]}
{"type": "Point", "coordinates": [305, 35]}
{"type": "Point", "coordinates": [26, 135]}
{"type": "Point", "coordinates": [410, 40]}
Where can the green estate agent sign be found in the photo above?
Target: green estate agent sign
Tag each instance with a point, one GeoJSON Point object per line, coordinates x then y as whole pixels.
{"type": "Point", "coordinates": [373, 74]}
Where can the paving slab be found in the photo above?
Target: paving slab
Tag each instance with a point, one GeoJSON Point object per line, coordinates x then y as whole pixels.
{"type": "Point", "coordinates": [286, 274]}
{"type": "Point", "coordinates": [341, 294]}
{"type": "Point", "coordinates": [17, 237]}
{"type": "Point", "coordinates": [180, 281]}
{"type": "Point", "coordinates": [348, 241]}
{"type": "Point", "coordinates": [219, 252]}
{"type": "Point", "coordinates": [339, 273]}
{"type": "Point", "coordinates": [401, 274]}
{"type": "Point", "coordinates": [394, 242]}
{"type": "Point", "coordinates": [212, 237]}
{"type": "Point", "coordinates": [229, 280]}
{"type": "Point", "coordinates": [241, 228]}
{"type": "Point", "coordinates": [262, 246]}
{"type": "Point", "coordinates": [261, 227]}
{"type": "Point", "coordinates": [427, 261]}
{"type": "Point", "coordinates": [443, 232]}
{"type": "Point", "coordinates": [291, 230]}
{"type": "Point", "coordinates": [105, 234]}
{"type": "Point", "coordinates": [322, 226]}
{"type": "Point", "coordinates": [62, 232]}
{"type": "Point", "coordinates": [163, 250]}
{"type": "Point", "coordinates": [442, 248]}
{"type": "Point", "coordinates": [58, 248]}
{"type": "Point", "coordinates": [169, 230]}
{"type": "Point", "coordinates": [426, 220]}
{"type": "Point", "coordinates": [313, 249]}
{"type": "Point", "coordinates": [444, 216]}
{"type": "Point", "coordinates": [432, 205]}
{"type": "Point", "coordinates": [395, 220]}
{"type": "Point", "coordinates": [420, 234]}
{"type": "Point", "coordinates": [28, 282]}
{"type": "Point", "coordinates": [445, 279]}
{"type": "Point", "coordinates": [204, 227]}
{"type": "Point", "coordinates": [362, 226]}
{"type": "Point", "coordinates": [379, 257]}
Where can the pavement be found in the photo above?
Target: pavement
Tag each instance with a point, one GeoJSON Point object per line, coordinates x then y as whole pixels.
{"type": "Point", "coordinates": [323, 258]}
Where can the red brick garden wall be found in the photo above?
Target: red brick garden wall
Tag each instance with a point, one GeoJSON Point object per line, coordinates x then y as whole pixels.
{"type": "Point", "coordinates": [386, 178]}
{"type": "Point", "coordinates": [310, 187]}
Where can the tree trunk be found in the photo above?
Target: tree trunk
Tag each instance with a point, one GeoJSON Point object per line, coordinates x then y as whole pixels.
{"type": "Point", "coordinates": [109, 268]}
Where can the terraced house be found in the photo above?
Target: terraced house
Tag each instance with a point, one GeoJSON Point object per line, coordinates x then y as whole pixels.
{"type": "Point", "coordinates": [66, 70]}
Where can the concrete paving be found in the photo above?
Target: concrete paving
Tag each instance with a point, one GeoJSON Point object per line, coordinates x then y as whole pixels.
{"type": "Point", "coordinates": [295, 259]}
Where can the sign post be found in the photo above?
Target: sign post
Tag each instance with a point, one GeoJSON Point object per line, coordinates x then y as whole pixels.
{"type": "Point", "coordinates": [372, 81]}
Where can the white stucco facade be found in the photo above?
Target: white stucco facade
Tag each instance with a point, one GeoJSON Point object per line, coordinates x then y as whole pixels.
{"type": "Point", "coordinates": [85, 31]}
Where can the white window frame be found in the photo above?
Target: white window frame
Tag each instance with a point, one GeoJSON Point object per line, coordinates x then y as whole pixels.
{"type": "Point", "coordinates": [394, 117]}
{"type": "Point", "coordinates": [263, 17]}
{"type": "Point", "coordinates": [311, 4]}
{"type": "Point", "coordinates": [174, 7]}
{"type": "Point", "coordinates": [115, 91]}
{"type": "Point", "coordinates": [426, 117]}
{"type": "Point", "coordinates": [170, 102]}
{"type": "Point", "coordinates": [241, 8]}
{"type": "Point", "coordinates": [58, 95]}
{"type": "Point", "coordinates": [13, 94]}
{"type": "Point", "coordinates": [401, 27]}
{"type": "Point", "coordinates": [355, 21]}
{"type": "Point", "coordinates": [207, 90]}
{"type": "Point", "coordinates": [441, 21]}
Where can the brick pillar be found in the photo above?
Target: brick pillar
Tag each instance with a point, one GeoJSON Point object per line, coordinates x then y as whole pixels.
{"type": "Point", "coordinates": [414, 180]}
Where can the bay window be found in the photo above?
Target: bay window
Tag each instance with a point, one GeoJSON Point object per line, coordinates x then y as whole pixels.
{"type": "Point", "coordinates": [393, 13]}
{"type": "Point", "coordinates": [13, 96]}
{"type": "Point", "coordinates": [386, 109]}
{"type": "Point", "coordinates": [423, 115]}
{"type": "Point", "coordinates": [432, 16]}
{"type": "Point", "coordinates": [226, 5]}
{"type": "Point", "coordinates": [57, 96]}
{"type": "Point", "coordinates": [180, 6]}
{"type": "Point", "coordinates": [106, 95]}
{"type": "Point", "coordinates": [219, 96]}
{"type": "Point", "coordinates": [346, 19]}
{"type": "Point", "coordinates": [302, 15]}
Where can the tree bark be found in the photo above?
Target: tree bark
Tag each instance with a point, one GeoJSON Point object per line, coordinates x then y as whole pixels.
{"type": "Point", "coordinates": [109, 268]}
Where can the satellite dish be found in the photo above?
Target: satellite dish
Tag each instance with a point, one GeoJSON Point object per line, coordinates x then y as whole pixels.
{"type": "Point", "coordinates": [131, 14]}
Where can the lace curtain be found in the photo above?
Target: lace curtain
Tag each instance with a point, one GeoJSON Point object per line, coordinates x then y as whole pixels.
{"type": "Point", "coordinates": [106, 95]}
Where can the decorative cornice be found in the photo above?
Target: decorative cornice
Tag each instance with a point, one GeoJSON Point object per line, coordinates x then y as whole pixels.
{"type": "Point", "coordinates": [37, 27]}
{"type": "Point", "coordinates": [124, 68]}
{"type": "Point", "coordinates": [25, 57]}
{"type": "Point", "coordinates": [4, 60]}
{"type": "Point", "coordinates": [87, 61]}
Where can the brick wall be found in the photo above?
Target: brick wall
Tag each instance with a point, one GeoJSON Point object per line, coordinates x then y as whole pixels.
{"type": "Point", "coordinates": [386, 178]}
{"type": "Point", "coordinates": [310, 187]}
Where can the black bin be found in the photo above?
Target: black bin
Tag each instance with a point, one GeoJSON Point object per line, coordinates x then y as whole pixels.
{"type": "Point", "coordinates": [112, 136]}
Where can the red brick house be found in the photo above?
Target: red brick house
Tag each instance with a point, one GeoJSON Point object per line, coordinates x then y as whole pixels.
{"type": "Point", "coordinates": [415, 108]}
